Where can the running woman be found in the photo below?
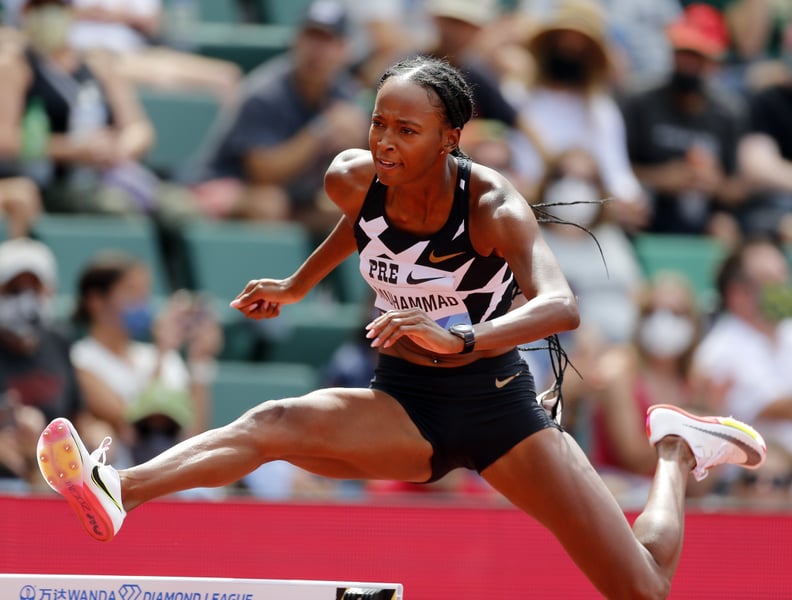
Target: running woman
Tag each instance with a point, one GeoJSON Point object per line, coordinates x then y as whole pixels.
{"type": "Point", "coordinates": [462, 276]}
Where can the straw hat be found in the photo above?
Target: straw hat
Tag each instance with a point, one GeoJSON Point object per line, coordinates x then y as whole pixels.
{"type": "Point", "coordinates": [474, 12]}
{"type": "Point", "coordinates": [586, 17]}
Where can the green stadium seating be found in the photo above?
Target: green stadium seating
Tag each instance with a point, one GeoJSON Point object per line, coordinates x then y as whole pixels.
{"type": "Point", "coordinates": [219, 11]}
{"type": "Point", "coordinates": [76, 239]}
{"type": "Point", "coordinates": [225, 255]}
{"type": "Point", "coordinates": [246, 45]}
{"type": "Point", "coordinates": [314, 330]}
{"type": "Point", "coordinates": [696, 257]}
{"type": "Point", "coordinates": [283, 12]}
{"type": "Point", "coordinates": [182, 121]}
{"type": "Point", "coordinates": [349, 284]}
{"type": "Point", "coordinates": [243, 385]}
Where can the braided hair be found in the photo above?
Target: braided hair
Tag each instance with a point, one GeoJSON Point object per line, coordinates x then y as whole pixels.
{"type": "Point", "coordinates": [447, 83]}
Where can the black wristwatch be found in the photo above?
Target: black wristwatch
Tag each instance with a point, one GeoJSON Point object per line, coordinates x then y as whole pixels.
{"type": "Point", "coordinates": [464, 331]}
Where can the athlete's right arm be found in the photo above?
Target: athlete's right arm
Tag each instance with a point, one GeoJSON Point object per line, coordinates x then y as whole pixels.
{"type": "Point", "coordinates": [346, 183]}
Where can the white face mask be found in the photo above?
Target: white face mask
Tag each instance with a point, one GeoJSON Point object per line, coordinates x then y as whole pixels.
{"type": "Point", "coordinates": [572, 189]}
{"type": "Point", "coordinates": [23, 314]}
{"type": "Point", "coordinates": [47, 27]}
{"type": "Point", "coordinates": [664, 334]}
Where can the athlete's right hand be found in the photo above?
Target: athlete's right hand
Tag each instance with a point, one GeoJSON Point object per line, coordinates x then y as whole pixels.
{"type": "Point", "coordinates": [262, 298]}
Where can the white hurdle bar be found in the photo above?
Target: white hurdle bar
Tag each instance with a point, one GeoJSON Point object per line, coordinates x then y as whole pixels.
{"type": "Point", "coordinates": [114, 587]}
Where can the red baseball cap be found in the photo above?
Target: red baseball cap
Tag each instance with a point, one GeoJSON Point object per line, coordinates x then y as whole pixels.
{"type": "Point", "coordinates": [701, 29]}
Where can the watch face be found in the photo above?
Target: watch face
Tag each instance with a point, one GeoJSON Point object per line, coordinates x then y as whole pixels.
{"type": "Point", "coordinates": [462, 328]}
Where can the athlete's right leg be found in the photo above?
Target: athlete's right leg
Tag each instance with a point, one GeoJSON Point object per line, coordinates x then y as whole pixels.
{"type": "Point", "coordinates": [334, 432]}
{"type": "Point", "coordinates": [549, 477]}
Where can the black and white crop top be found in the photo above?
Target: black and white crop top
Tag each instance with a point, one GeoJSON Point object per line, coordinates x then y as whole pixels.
{"type": "Point", "coordinates": [439, 273]}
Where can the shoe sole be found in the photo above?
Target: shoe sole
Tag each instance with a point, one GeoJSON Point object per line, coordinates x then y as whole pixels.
{"type": "Point", "coordinates": [61, 462]}
{"type": "Point", "coordinates": [745, 437]}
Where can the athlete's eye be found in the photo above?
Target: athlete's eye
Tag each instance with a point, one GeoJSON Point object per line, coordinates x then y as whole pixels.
{"type": "Point", "coordinates": [376, 124]}
{"type": "Point", "coordinates": [407, 131]}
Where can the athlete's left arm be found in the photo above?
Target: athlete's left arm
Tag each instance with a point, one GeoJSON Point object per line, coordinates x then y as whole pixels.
{"type": "Point", "coordinates": [503, 224]}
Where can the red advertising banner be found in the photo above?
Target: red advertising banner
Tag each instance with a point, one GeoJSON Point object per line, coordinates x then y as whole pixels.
{"type": "Point", "coordinates": [436, 551]}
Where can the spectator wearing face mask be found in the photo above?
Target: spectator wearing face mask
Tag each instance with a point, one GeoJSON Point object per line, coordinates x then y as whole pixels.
{"type": "Point", "coordinates": [570, 105]}
{"type": "Point", "coordinates": [745, 360]}
{"type": "Point", "coordinates": [145, 389]}
{"type": "Point", "coordinates": [599, 262]}
{"type": "Point", "coordinates": [37, 380]}
{"type": "Point", "coordinates": [683, 137]}
{"type": "Point", "coordinates": [654, 367]}
{"type": "Point", "coordinates": [604, 284]}
{"type": "Point", "coordinates": [74, 125]}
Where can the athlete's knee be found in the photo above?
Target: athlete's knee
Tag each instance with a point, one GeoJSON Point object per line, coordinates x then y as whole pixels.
{"type": "Point", "coordinates": [263, 426]}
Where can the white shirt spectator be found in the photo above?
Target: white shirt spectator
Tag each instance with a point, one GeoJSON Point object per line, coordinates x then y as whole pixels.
{"type": "Point", "coordinates": [116, 37]}
{"type": "Point", "coordinates": [565, 120]}
{"type": "Point", "coordinates": [128, 378]}
{"type": "Point", "coordinates": [757, 366]}
{"type": "Point", "coordinates": [605, 297]}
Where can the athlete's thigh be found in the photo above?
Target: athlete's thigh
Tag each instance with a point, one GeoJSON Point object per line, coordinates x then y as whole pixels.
{"type": "Point", "coordinates": [549, 477]}
{"type": "Point", "coordinates": [352, 432]}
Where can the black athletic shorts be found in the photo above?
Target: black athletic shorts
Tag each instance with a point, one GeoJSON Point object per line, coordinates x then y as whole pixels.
{"type": "Point", "coordinates": [473, 414]}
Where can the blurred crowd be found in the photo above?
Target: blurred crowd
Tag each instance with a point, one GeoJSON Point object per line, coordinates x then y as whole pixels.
{"type": "Point", "coordinates": [618, 120]}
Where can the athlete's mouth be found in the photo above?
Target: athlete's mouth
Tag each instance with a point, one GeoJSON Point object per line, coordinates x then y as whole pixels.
{"type": "Point", "coordinates": [386, 164]}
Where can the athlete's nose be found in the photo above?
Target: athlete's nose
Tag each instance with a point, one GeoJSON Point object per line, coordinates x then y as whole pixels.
{"type": "Point", "coordinates": [384, 142]}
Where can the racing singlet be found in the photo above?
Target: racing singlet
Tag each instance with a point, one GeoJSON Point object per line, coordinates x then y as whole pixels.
{"type": "Point", "coordinates": [440, 273]}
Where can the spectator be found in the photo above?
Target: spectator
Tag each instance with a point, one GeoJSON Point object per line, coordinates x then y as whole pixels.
{"type": "Point", "coordinates": [759, 33]}
{"type": "Point", "coordinates": [461, 35]}
{"type": "Point", "coordinates": [130, 29]}
{"type": "Point", "coordinates": [683, 138]}
{"type": "Point", "coordinates": [654, 368]}
{"type": "Point", "coordinates": [144, 389]}
{"type": "Point", "coordinates": [37, 380]}
{"type": "Point", "coordinates": [765, 155]}
{"type": "Point", "coordinates": [569, 105]}
{"type": "Point", "coordinates": [383, 32]}
{"type": "Point", "coordinates": [487, 142]}
{"type": "Point", "coordinates": [744, 361]}
{"type": "Point", "coordinates": [604, 284]}
{"type": "Point", "coordinates": [20, 205]}
{"type": "Point", "coordinates": [298, 111]}
{"type": "Point", "coordinates": [637, 30]}
{"type": "Point", "coordinates": [86, 121]}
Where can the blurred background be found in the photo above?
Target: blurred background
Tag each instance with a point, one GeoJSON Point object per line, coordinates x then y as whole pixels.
{"type": "Point", "coordinates": [157, 155]}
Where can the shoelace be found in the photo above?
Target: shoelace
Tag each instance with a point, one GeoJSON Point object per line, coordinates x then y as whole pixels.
{"type": "Point", "coordinates": [702, 467]}
{"type": "Point", "coordinates": [100, 454]}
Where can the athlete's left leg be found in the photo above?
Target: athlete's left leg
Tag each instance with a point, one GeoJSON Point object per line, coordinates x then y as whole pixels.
{"type": "Point", "coordinates": [549, 477]}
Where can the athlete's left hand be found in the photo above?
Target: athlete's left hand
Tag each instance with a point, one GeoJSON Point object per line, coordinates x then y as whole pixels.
{"type": "Point", "coordinates": [388, 328]}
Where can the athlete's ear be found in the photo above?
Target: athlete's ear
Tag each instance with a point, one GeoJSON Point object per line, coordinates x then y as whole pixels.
{"type": "Point", "coordinates": [451, 139]}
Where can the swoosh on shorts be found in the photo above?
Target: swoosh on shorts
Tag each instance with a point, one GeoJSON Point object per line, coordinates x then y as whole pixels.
{"type": "Point", "coordinates": [752, 457]}
{"type": "Point", "coordinates": [499, 383]}
{"type": "Point", "coordinates": [444, 257]}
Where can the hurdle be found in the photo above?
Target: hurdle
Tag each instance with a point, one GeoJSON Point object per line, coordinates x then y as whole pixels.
{"type": "Point", "coordinates": [115, 587]}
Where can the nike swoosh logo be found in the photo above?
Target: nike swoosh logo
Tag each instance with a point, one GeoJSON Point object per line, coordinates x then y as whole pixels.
{"type": "Point", "coordinates": [98, 481]}
{"type": "Point", "coordinates": [499, 383]}
{"type": "Point", "coordinates": [414, 280]}
{"type": "Point", "coordinates": [437, 259]}
{"type": "Point", "coordinates": [752, 457]}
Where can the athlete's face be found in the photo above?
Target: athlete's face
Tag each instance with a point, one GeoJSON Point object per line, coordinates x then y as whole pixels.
{"type": "Point", "coordinates": [409, 133]}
